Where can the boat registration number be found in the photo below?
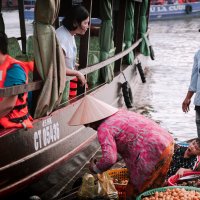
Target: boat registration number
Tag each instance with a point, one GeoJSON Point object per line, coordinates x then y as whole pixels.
{"type": "Point", "coordinates": [47, 135]}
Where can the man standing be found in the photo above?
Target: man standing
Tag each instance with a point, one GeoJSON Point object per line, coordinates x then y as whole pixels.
{"type": "Point", "coordinates": [194, 88]}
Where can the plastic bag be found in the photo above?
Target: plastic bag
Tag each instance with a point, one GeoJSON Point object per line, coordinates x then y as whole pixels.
{"type": "Point", "coordinates": [106, 186]}
{"type": "Point", "coordinates": [88, 189]}
{"type": "Point", "coordinates": [102, 188]}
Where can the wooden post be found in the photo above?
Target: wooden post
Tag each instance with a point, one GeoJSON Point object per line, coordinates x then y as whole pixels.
{"type": "Point", "coordinates": [22, 24]}
{"type": "Point", "coordinates": [84, 46]}
{"type": "Point", "coordinates": [84, 41]}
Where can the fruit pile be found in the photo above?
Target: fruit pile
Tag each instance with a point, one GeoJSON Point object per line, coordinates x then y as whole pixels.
{"type": "Point", "coordinates": [194, 183]}
{"type": "Point", "coordinates": [123, 182]}
{"type": "Point", "coordinates": [174, 194]}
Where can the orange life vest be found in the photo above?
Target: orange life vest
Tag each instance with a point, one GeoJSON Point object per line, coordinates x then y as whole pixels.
{"type": "Point", "coordinates": [19, 116]}
{"type": "Point", "coordinates": [73, 87]}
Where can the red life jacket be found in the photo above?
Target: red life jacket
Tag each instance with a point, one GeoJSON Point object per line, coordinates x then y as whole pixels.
{"type": "Point", "coordinates": [19, 116]}
{"type": "Point", "coordinates": [73, 87]}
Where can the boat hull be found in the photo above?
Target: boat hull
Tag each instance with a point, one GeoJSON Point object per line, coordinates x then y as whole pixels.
{"type": "Point", "coordinates": [157, 12]}
{"type": "Point", "coordinates": [174, 11]}
{"type": "Point", "coordinates": [52, 145]}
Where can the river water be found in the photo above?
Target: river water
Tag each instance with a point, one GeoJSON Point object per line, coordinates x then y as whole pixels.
{"type": "Point", "coordinates": [175, 43]}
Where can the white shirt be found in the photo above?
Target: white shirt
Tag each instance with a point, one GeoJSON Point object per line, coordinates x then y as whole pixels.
{"type": "Point", "coordinates": [195, 79]}
{"type": "Point", "coordinates": [68, 44]}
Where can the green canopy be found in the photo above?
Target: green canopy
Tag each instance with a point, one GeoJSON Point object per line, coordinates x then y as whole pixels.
{"type": "Point", "coordinates": [144, 48]}
{"type": "Point", "coordinates": [129, 30]}
{"type": "Point", "coordinates": [49, 58]}
{"type": "Point", "coordinates": [106, 39]}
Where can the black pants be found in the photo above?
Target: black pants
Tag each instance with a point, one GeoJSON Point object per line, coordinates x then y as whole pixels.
{"type": "Point", "coordinates": [197, 109]}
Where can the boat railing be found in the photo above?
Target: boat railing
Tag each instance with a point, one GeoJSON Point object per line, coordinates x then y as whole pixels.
{"type": "Point", "coordinates": [37, 85]}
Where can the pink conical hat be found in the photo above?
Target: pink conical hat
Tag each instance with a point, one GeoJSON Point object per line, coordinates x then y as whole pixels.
{"type": "Point", "coordinates": [91, 110]}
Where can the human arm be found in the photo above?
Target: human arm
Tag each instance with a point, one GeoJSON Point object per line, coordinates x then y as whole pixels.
{"type": "Point", "coordinates": [72, 72]}
{"type": "Point", "coordinates": [7, 104]}
{"type": "Point", "coordinates": [79, 75]}
{"type": "Point", "coordinates": [187, 101]}
{"type": "Point", "coordinates": [93, 161]}
{"type": "Point", "coordinates": [67, 45]}
{"type": "Point", "coordinates": [181, 171]}
{"type": "Point", "coordinates": [109, 153]}
{"type": "Point", "coordinates": [193, 84]}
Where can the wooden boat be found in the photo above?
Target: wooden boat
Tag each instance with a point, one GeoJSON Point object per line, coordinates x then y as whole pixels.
{"type": "Point", "coordinates": [159, 10]}
{"type": "Point", "coordinates": [9, 4]}
{"type": "Point", "coordinates": [39, 161]}
{"type": "Point", "coordinates": [28, 4]}
{"type": "Point", "coordinates": [163, 10]}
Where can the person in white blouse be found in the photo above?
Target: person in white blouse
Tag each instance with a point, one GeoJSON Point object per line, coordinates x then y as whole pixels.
{"type": "Point", "coordinates": [76, 22]}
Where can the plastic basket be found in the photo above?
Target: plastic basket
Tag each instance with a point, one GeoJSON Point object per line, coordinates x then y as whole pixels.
{"type": "Point", "coordinates": [120, 174]}
{"type": "Point", "coordinates": [172, 181]}
{"type": "Point", "coordinates": [163, 189]}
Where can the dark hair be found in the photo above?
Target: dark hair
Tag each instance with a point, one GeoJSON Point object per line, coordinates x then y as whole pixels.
{"type": "Point", "coordinates": [3, 43]}
{"type": "Point", "coordinates": [74, 17]}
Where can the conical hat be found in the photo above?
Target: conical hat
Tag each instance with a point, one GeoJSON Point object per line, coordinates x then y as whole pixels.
{"type": "Point", "coordinates": [91, 110]}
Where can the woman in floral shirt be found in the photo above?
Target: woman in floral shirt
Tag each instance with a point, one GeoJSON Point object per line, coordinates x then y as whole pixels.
{"type": "Point", "coordinates": [145, 147]}
{"type": "Point", "coordinates": [185, 158]}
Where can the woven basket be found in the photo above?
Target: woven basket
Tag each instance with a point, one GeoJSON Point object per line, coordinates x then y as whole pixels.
{"type": "Point", "coordinates": [120, 174]}
{"type": "Point", "coordinates": [163, 189]}
{"type": "Point", "coordinates": [173, 179]}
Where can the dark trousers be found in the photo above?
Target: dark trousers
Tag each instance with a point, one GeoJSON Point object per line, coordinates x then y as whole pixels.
{"type": "Point", "coordinates": [197, 109]}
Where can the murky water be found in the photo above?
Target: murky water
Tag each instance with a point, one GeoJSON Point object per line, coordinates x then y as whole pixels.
{"type": "Point", "coordinates": [12, 27]}
{"type": "Point", "coordinates": [175, 43]}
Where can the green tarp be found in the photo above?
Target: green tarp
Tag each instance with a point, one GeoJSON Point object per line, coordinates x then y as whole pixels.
{"type": "Point", "coordinates": [106, 39]}
{"type": "Point", "coordinates": [144, 48]}
{"type": "Point", "coordinates": [49, 58]}
{"type": "Point", "coordinates": [129, 31]}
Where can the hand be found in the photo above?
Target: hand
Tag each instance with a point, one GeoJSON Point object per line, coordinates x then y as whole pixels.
{"type": "Point", "coordinates": [186, 105]}
{"type": "Point", "coordinates": [181, 171]}
{"type": "Point", "coordinates": [76, 66]}
{"type": "Point", "coordinates": [92, 165]}
{"type": "Point", "coordinates": [81, 78]}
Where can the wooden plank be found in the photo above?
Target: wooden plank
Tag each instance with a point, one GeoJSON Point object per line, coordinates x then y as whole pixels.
{"type": "Point", "coordinates": [36, 85]}
{"type": "Point", "coordinates": [108, 61]}
{"type": "Point", "coordinates": [22, 25]}
{"type": "Point", "coordinates": [18, 89]}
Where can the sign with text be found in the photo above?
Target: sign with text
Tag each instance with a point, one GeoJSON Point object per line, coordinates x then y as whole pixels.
{"type": "Point", "coordinates": [168, 8]}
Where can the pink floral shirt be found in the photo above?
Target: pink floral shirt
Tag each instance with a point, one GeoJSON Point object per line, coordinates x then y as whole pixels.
{"type": "Point", "coordinates": [139, 140]}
